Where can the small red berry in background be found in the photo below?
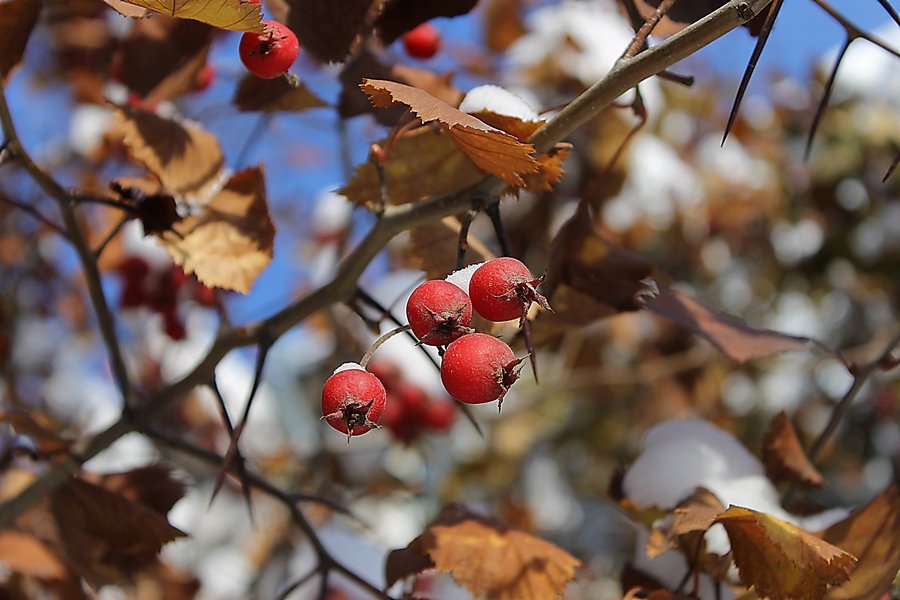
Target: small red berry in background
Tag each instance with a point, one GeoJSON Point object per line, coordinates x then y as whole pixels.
{"type": "Point", "coordinates": [503, 289]}
{"type": "Point", "coordinates": [439, 312]}
{"type": "Point", "coordinates": [353, 400]}
{"type": "Point", "coordinates": [409, 411]}
{"type": "Point", "coordinates": [479, 368]}
{"type": "Point", "coordinates": [423, 42]}
{"type": "Point", "coordinates": [269, 54]}
{"type": "Point", "coordinates": [204, 78]}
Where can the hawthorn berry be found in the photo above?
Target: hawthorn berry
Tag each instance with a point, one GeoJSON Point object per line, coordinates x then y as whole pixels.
{"type": "Point", "coordinates": [439, 312]}
{"type": "Point", "coordinates": [204, 78]}
{"type": "Point", "coordinates": [353, 400]}
{"type": "Point", "coordinates": [422, 42]}
{"type": "Point", "coordinates": [271, 53]}
{"type": "Point", "coordinates": [503, 289]}
{"type": "Point", "coordinates": [479, 368]}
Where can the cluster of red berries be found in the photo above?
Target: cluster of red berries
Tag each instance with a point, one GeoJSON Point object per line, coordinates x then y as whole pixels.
{"type": "Point", "coordinates": [409, 411]}
{"type": "Point", "coordinates": [160, 291]}
{"type": "Point", "coordinates": [476, 368]}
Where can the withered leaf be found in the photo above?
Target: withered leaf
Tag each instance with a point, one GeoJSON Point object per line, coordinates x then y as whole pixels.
{"type": "Point", "coordinates": [231, 242]}
{"type": "Point", "coordinates": [153, 486]}
{"type": "Point", "coordinates": [399, 16]}
{"type": "Point", "coordinates": [781, 561]}
{"type": "Point", "coordinates": [237, 15]}
{"type": "Point", "coordinates": [550, 169]}
{"type": "Point", "coordinates": [127, 10]}
{"type": "Point", "coordinates": [732, 336]}
{"type": "Point", "coordinates": [17, 19]}
{"type": "Point", "coordinates": [696, 513]}
{"type": "Point", "coordinates": [184, 157]}
{"type": "Point", "coordinates": [272, 95]}
{"type": "Point", "coordinates": [872, 534]}
{"type": "Point", "coordinates": [326, 29]}
{"type": "Point", "coordinates": [503, 23]}
{"type": "Point", "coordinates": [422, 163]}
{"type": "Point", "coordinates": [784, 456]}
{"type": "Point", "coordinates": [25, 554]}
{"type": "Point", "coordinates": [491, 149]}
{"type": "Point", "coordinates": [433, 247]}
{"type": "Point", "coordinates": [487, 558]}
{"type": "Point", "coordinates": [105, 536]}
{"type": "Point", "coordinates": [161, 57]}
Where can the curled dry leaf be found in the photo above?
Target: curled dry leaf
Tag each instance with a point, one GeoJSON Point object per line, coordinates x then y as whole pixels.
{"type": "Point", "coordinates": [422, 163]}
{"type": "Point", "coordinates": [236, 15]}
{"type": "Point", "coordinates": [185, 158]}
{"type": "Point", "coordinates": [486, 557]}
{"type": "Point", "coordinates": [273, 95]}
{"type": "Point", "coordinates": [153, 486]}
{"type": "Point", "coordinates": [732, 336]}
{"type": "Point", "coordinates": [325, 28]}
{"type": "Point", "coordinates": [490, 149]}
{"type": "Point", "coordinates": [781, 561]}
{"type": "Point", "coordinates": [872, 534]}
{"type": "Point", "coordinates": [694, 514]}
{"type": "Point", "coordinates": [231, 242]}
{"type": "Point", "coordinates": [17, 19]}
{"type": "Point", "coordinates": [784, 456]}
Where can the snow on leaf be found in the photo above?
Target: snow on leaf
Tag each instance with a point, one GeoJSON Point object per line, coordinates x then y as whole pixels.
{"type": "Point", "coordinates": [184, 157]}
{"type": "Point", "coordinates": [487, 558]}
{"type": "Point", "coordinates": [422, 163]}
{"type": "Point", "coordinates": [231, 242]}
{"type": "Point", "coordinates": [17, 19]}
{"type": "Point", "coordinates": [491, 149]}
{"type": "Point", "coordinates": [872, 534]}
{"type": "Point", "coordinates": [784, 456]}
{"type": "Point", "coordinates": [237, 15]}
{"type": "Point", "coordinates": [272, 95]}
{"type": "Point", "coordinates": [732, 336]}
{"type": "Point", "coordinates": [325, 28]}
{"type": "Point", "coordinates": [781, 561]}
{"type": "Point", "coordinates": [25, 554]}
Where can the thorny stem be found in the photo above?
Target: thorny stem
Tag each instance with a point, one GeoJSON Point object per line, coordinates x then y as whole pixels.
{"type": "Point", "coordinates": [625, 75]}
{"type": "Point", "coordinates": [377, 344]}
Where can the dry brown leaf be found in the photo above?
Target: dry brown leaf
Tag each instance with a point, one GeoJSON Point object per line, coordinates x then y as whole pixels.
{"type": "Point", "coordinates": [433, 247]}
{"type": "Point", "coordinates": [325, 28]}
{"type": "Point", "coordinates": [551, 169]}
{"type": "Point", "coordinates": [399, 16]}
{"type": "Point", "coordinates": [503, 23]}
{"type": "Point", "coordinates": [514, 126]}
{"type": "Point", "coordinates": [784, 456]}
{"type": "Point", "coordinates": [491, 149]}
{"type": "Point", "coordinates": [872, 534]}
{"type": "Point", "coordinates": [185, 157]}
{"type": "Point", "coordinates": [17, 19]}
{"type": "Point", "coordinates": [25, 554]}
{"type": "Point", "coordinates": [154, 486]}
{"type": "Point", "coordinates": [422, 163]}
{"type": "Point", "coordinates": [127, 10]}
{"type": "Point", "coordinates": [272, 95]}
{"type": "Point", "coordinates": [694, 514]}
{"type": "Point", "coordinates": [105, 536]}
{"type": "Point", "coordinates": [236, 15]}
{"type": "Point", "coordinates": [732, 336]}
{"type": "Point", "coordinates": [232, 241]}
{"type": "Point", "coordinates": [161, 57]}
{"type": "Point", "coordinates": [487, 558]}
{"type": "Point", "coordinates": [781, 561]}
{"type": "Point", "coordinates": [437, 85]}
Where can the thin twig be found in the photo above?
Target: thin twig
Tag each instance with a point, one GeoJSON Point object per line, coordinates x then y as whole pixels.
{"type": "Point", "coordinates": [34, 212]}
{"type": "Point", "coordinates": [377, 344]}
{"type": "Point", "coordinates": [236, 461]}
{"type": "Point", "coordinates": [98, 252]}
{"type": "Point", "coordinates": [640, 37]}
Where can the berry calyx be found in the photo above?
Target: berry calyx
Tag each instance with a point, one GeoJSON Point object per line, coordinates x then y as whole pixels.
{"type": "Point", "coordinates": [423, 42]}
{"type": "Point", "coordinates": [353, 400]}
{"type": "Point", "coordinates": [271, 53]}
{"type": "Point", "coordinates": [439, 312]}
{"type": "Point", "coordinates": [479, 368]}
{"type": "Point", "coordinates": [503, 289]}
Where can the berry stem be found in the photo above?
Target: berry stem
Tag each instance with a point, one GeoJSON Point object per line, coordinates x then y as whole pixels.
{"type": "Point", "coordinates": [377, 343]}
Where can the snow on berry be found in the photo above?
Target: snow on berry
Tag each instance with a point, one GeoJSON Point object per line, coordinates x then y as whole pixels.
{"type": "Point", "coordinates": [352, 400]}
{"type": "Point", "coordinates": [271, 53]}
{"type": "Point", "coordinates": [463, 277]}
{"type": "Point", "coordinates": [503, 289]}
{"type": "Point", "coordinates": [479, 368]}
{"type": "Point", "coordinates": [439, 312]}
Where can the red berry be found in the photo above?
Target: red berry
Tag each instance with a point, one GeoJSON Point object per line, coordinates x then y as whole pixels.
{"type": "Point", "coordinates": [479, 368]}
{"type": "Point", "coordinates": [440, 415]}
{"type": "Point", "coordinates": [133, 269]}
{"type": "Point", "coordinates": [439, 312]}
{"type": "Point", "coordinates": [204, 78]}
{"type": "Point", "coordinates": [173, 325]}
{"type": "Point", "coordinates": [352, 401]}
{"type": "Point", "coordinates": [422, 42]}
{"type": "Point", "coordinates": [271, 53]}
{"type": "Point", "coordinates": [503, 289]}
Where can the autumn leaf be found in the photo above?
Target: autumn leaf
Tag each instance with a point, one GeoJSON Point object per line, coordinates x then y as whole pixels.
{"type": "Point", "coordinates": [434, 247]}
{"type": "Point", "coordinates": [784, 456]}
{"type": "Point", "coordinates": [422, 163]}
{"type": "Point", "coordinates": [781, 561]}
{"type": "Point", "coordinates": [274, 95]}
{"type": "Point", "coordinates": [237, 15]}
{"type": "Point", "coordinates": [503, 23]}
{"type": "Point", "coordinates": [185, 158]}
{"type": "Point", "coordinates": [872, 534]}
{"type": "Point", "coordinates": [153, 486]}
{"type": "Point", "coordinates": [486, 557]}
{"type": "Point", "coordinates": [127, 10]}
{"type": "Point", "coordinates": [490, 149]}
{"type": "Point", "coordinates": [696, 513]}
{"type": "Point", "coordinates": [325, 28]}
{"type": "Point", "coordinates": [399, 16]}
{"type": "Point", "coordinates": [17, 19]}
{"type": "Point", "coordinates": [732, 336]}
{"type": "Point", "coordinates": [230, 243]}
{"type": "Point", "coordinates": [27, 555]}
